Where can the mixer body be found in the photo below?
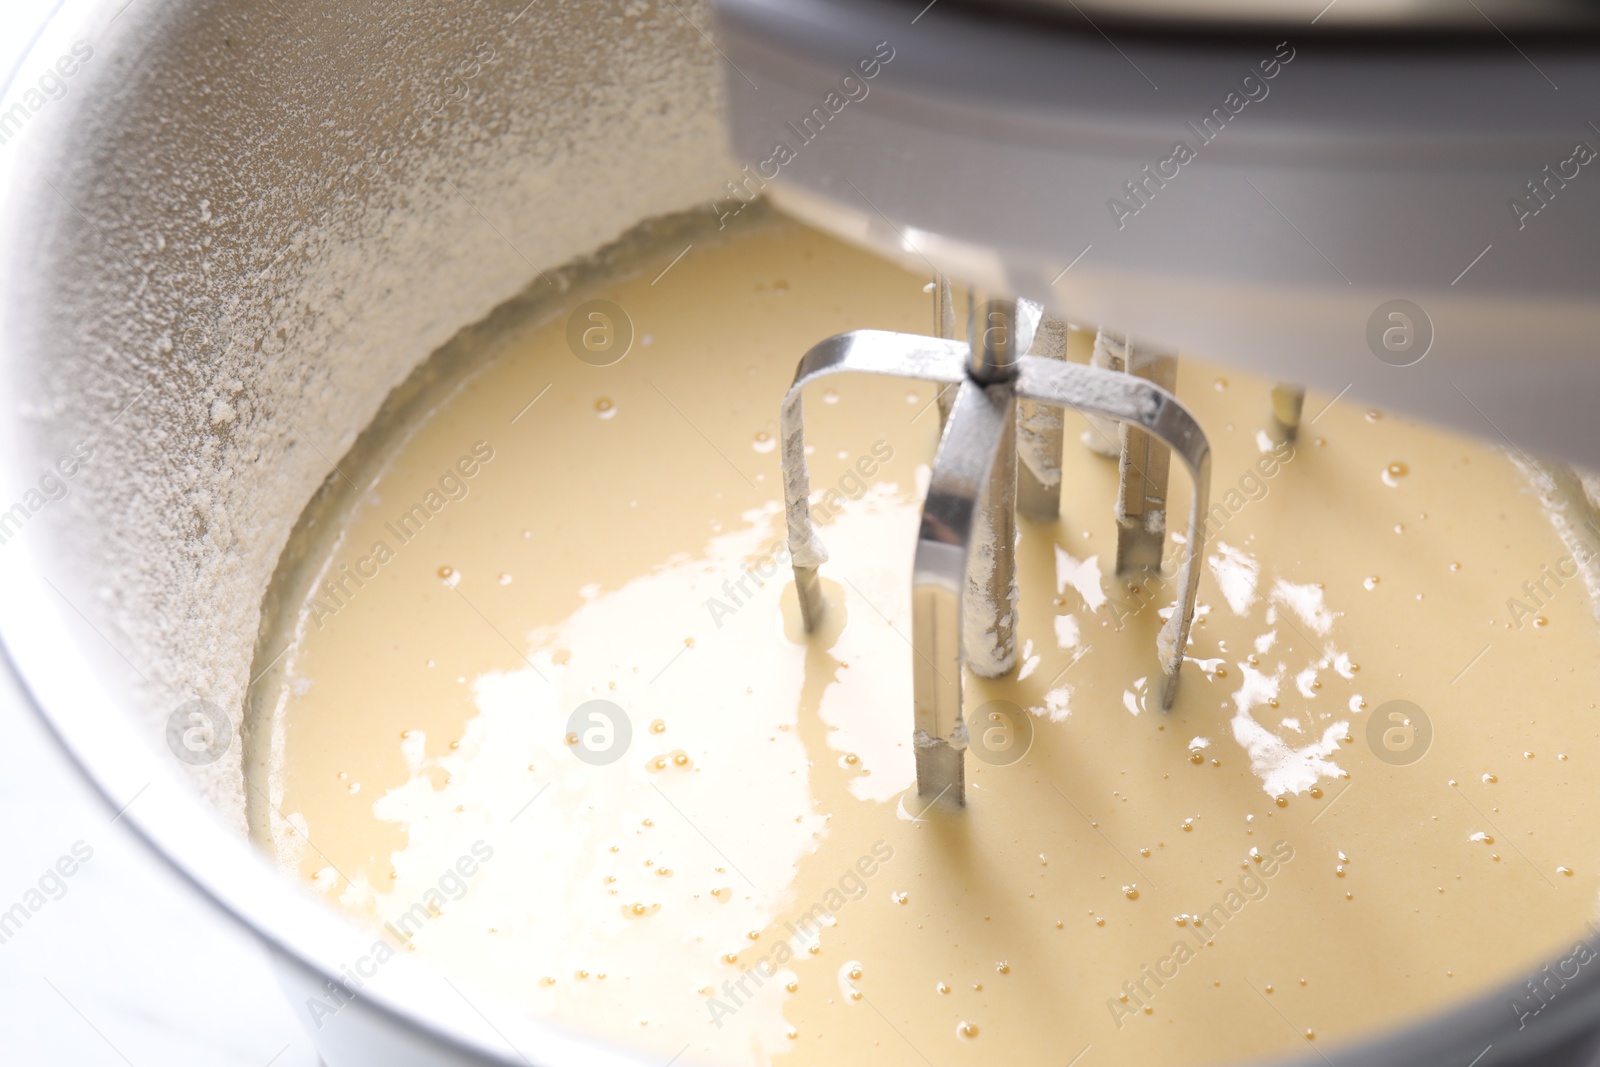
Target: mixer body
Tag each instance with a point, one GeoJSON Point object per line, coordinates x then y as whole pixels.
{"type": "Point", "coordinates": [1409, 218]}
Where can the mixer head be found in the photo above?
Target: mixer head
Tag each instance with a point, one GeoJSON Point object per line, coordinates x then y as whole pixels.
{"type": "Point", "coordinates": [1320, 194]}
{"type": "Point", "coordinates": [1276, 189]}
{"type": "Point", "coordinates": [1010, 383]}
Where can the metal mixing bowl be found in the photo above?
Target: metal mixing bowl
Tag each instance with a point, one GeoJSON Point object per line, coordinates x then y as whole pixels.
{"type": "Point", "coordinates": [227, 234]}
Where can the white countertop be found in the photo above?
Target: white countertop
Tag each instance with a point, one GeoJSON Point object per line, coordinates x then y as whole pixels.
{"type": "Point", "coordinates": [129, 965]}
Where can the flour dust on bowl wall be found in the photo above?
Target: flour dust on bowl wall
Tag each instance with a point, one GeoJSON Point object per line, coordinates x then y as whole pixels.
{"type": "Point", "coordinates": [424, 533]}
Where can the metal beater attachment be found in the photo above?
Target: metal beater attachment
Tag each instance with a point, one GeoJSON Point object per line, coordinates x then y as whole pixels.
{"type": "Point", "coordinates": [1287, 401]}
{"type": "Point", "coordinates": [964, 597]}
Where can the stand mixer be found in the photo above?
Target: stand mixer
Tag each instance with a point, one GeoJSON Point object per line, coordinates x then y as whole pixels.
{"type": "Point", "coordinates": [1257, 186]}
{"type": "Point", "coordinates": [1206, 249]}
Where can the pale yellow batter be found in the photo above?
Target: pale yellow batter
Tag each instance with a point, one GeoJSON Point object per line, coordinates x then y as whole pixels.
{"type": "Point", "coordinates": [1222, 882]}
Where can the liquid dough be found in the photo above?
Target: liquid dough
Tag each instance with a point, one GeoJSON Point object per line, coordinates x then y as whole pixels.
{"type": "Point", "coordinates": [1226, 881]}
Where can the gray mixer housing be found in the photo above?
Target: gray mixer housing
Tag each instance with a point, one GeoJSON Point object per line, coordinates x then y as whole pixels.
{"type": "Point", "coordinates": [1260, 191]}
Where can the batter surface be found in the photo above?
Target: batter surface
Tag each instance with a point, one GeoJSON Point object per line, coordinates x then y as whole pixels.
{"type": "Point", "coordinates": [1261, 867]}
